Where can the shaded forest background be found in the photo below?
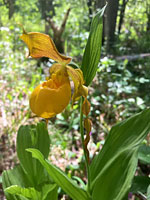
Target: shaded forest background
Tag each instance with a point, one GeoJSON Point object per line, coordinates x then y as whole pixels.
{"type": "Point", "coordinates": [120, 89]}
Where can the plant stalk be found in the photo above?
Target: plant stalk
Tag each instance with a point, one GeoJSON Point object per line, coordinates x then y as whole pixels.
{"type": "Point", "coordinates": [83, 146]}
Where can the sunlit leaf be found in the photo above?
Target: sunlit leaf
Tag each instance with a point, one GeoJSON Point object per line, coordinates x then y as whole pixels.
{"type": "Point", "coordinates": [113, 168]}
{"type": "Point", "coordinates": [25, 192]}
{"type": "Point", "coordinates": [115, 178]}
{"type": "Point", "coordinates": [35, 137]}
{"type": "Point", "coordinates": [14, 176]}
{"type": "Point", "coordinates": [148, 193]}
{"type": "Point", "coordinates": [67, 184]}
{"type": "Point", "coordinates": [31, 193]}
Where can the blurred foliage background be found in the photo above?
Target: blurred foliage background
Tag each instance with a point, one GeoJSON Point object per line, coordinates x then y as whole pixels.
{"type": "Point", "coordinates": [120, 89]}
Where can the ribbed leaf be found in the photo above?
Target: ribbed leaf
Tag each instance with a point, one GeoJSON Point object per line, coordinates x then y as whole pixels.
{"type": "Point", "coordinates": [92, 51]}
{"type": "Point", "coordinates": [32, 137]}
{"type": "Point", "coordinates": [14, 176]}
{"type": "Point", "coordinates": [116, 178]}
{"type": "Point", "coordinates": [144, 154]}
{"type": "Point", "coordinates": [17, 177]}
{"type": "Point", "coordinates": [37, 137]}
{"type": "Point", "coordinates": [69, 186]}
{"type": "Point", "coordinates": [148, 193]}
{"type": "Point", "coordinates": [48, 192]}
{"type": "Point", "coordinates": [140, 184]}
{"type": "Point", "coordinates": [30, 193]}
{"type": "Point", "coordinates": [119, 157]}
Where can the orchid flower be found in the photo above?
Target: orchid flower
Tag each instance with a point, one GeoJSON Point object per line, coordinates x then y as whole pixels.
{"type": "Point", "coordinates": [53, 95]}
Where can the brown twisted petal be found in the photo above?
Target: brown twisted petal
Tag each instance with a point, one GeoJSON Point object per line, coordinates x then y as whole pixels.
{"type": "Point", "coordinates": [87, 126]}
{"type": "Point", "coordinates": [77, 78]}
{"type": "Point", "coordinates": [86, 107]}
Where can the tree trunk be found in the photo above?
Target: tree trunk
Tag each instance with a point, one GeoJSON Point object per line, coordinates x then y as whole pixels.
{"type": "Point", "coordinates": [110, 23]}
{"type": "Point", "coordinates": [58, 31]}
{"type": "Point", "coordinates": [148, 15]}
{"type": "Point", "coordinates": [47, 9]}
{"type": "Point", "coordinates": [10, 4]}
{"type": "Point", "coordinates": [148, 23]}
{"type": "Point", "coordinates": [99, 4]}
{"type": "Point", "coordinates": [89, 4]}
{"type": "Point", "coordinates": [122, 12]}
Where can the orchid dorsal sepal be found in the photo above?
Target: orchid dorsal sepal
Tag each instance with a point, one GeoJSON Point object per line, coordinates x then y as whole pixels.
{"type": "Point", "coordinates": [41, 45]}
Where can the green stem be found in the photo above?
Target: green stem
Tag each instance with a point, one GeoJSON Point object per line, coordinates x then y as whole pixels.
{"type": "Point", "coordinates": [83, 146]}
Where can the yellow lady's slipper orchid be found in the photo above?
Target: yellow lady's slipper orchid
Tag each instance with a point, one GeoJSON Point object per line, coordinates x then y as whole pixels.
{"type": "Point", "coordinates": [52, 96]}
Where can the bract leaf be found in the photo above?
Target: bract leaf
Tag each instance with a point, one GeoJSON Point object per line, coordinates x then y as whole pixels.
{"type": "Point", "coordinates": [92, 51]}
{"type": "Point", "coordinates": [87, 125]}
{"type": "Point", "coordinates": [86, 107]}
{"type": "Point", "coordinates": [41, 45]}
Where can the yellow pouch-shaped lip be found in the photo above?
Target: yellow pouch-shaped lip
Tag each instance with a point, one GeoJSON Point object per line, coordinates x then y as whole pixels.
{"type": "Point", "coordinates": [47, 102]}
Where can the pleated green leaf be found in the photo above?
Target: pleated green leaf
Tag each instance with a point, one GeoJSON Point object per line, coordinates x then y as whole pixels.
{"type": "Point", "coordinates": [49, 191]}
{"type": "Point", "coordinates": [92, 51]}
{"type": "Point", "coordinates": [144, 154]}
{"type": "Point", "coordinates": [17, 186]}
{"type": "Point", "coordinates": [115, 165]}
{"type": "Point", "coordinates": [140, 184]}
{"type": "Point", "coordinates": [116, 178]}
{"type": "Point", "coordinates": [21, 176]}
{"type": "Point", "coordinates": [14, 176]}
{"type": "Point", "coordinates": [148, 193]}
{"type": "Point", "coordinates": [30, 193]}
{"type": "Point", "coordinates": [61, 179]}
{"type": "Point", "coordinates": [33, 137]}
